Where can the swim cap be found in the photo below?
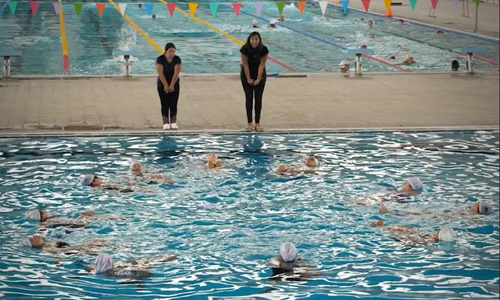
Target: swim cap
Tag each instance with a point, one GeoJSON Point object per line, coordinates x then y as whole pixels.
{"type": "Point", "coordinates": [34, 215]}
{"type": "Point", "coordinates": [409, 56]}
{"type": "Point", "coordinates": [485, 207]}
{"type": "Point", "coordinates": [344, 63]}
{"type": "Point", "coordinates": [103, 263]}
{"type": "Point", "coordinates": [446, 234]}
{"type": "Point", "coordinates": [134, 163]}
{"type": "Point", "coordinates": [254, 22]}
{"type": "Point", "coordinates": [272, 22]}
{"type": "Point", "coordinates": [169, 45]}
{"type": "Point", "coordinates": [288, 252]}
{"type": "Point", "coordinates": [416, 184]}
{"type": "Point", "coordinates": [87, 179]}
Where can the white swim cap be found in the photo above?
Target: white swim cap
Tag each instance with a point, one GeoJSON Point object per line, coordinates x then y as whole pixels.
{"type": "Point", "coordinates": [446, 234]}
{"type": "Point", "coordinates": [288, 252]}
{"type": "Point", "coordinates": [416, 184]}
{"type": "Point", "coordinates": [344, 63]}
{"type": "Point", "coordinates": [254, 22]}
{"type": "Point", "coordinates": [35, 214]}
{"type": "Point", "coordinates": [409, 56]}
{"type": "Point", "coordinates": [103, 263]}
{"type": "Point", "coordinates": [87, 179]}
{"type": "Point", "coordinates": [272, 22]}
{"type": "Point", "coordinates": [485, 207]}
{"type": "Point", "coordinates": [134, 163]}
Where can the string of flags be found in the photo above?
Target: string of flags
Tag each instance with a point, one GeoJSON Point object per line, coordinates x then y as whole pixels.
{"type": "Point", "coordinates": [101, 7]}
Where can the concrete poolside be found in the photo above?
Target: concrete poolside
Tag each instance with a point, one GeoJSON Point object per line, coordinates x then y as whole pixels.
{"type": "Point", "coordinates": [217, 103]}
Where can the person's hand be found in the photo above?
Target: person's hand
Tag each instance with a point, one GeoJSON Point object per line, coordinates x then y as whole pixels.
{"type": "Point", "coordinates": [250, 81]}
{"type": "Point", "coordinates": [256, 82]}
{"type": "Point", "coordinates": [171, 89]}
{"type": "Point", "coordinates": [166, 89]}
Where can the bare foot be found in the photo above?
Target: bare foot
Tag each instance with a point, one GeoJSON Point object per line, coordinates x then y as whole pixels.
{"type": "Point", "coordinates": [383, 209]}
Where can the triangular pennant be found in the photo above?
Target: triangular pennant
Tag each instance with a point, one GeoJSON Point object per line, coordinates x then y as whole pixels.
{"type": "Point", "coordinates": [214, 7]}
{"type": "Point", "coordinates": [280, 6]}
{"type": "Point", "coordinates": [366, 4]}
{"type": "Point", "coordinates": [149, 9]}
{"type": "Point", "coordinates": [258, 7]}
{"type": "Point", "coordinates": [57, 7]}
{"type": "Point", "coordinates": [388, 4]}
{"type": "Point", "coordinates": [192, 8]}
{"type": "Point", "coordinates": [336, 3]}
{"type": "Point", "coordinates": [171, 8]}
{"type": "Point", "coordinates": [100, 8]}
{"type": "Point", "coordinates": [323, 5]}
{"type": "Point", "coordinates": [13, 6]}
{"type": "Point", "coordinates": [477, 2]}
{"type": "Point", "coordinates": [456, 2]}
{"type": "Point", "coordinates": [434, 4]}
{"type": "Point", "coordinates": [302, 6]}
{"type": "Point", "coordinates": [413, 4]}
{"type": "Point", "coordinates": [123, 7]}
{"type": "Point", "coordinates": [237, 7]}
{"type": "Point", "coordinates": [345, 5]}
{"type": "Point", "coordinates": [78, 8]}
{"type": "Point", "coordinates": [34, 7]}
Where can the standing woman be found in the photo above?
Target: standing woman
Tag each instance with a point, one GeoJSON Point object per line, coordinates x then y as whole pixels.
{"type": "Point", "coordinates": [253, 77]}
{"type": "Point", "coordinates": [168, 67]}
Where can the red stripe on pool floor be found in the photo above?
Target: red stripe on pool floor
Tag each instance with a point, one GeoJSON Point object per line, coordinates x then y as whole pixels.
{"type": "Point", "coordinates": [66, 64]}
{"type": "Point", "coordinates": [274, 60]}
{"type": "Point", "coordinates": [483, 60]}
{"type": "Point", "coordinates": [386, 63]}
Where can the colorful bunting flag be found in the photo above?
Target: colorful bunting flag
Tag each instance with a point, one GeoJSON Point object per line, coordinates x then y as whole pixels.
{"type": "Point", "coordinates": [477, 2]}
{"type": "Point", "coordinates": [213, 8]}
{"type": "Point", "coordinates": [78, 8]}
{"type": "Point", "coordinates": [123, 7]}
{"type": "Point", "coordinates": [171, 8]}
{"type": "Point", "coordinates": [336, 3]}
{"type": "Point", "coordinates": [413, 4]}
{"type": "Point", "coordinates": [192, 8]}
{"type": "Point", "coordinates": [302, 6]}
{"type": "Point", "coordinates": [100, 8]}
{"type": "Point", "coordinates": [34, 7]}
{"type": "Point", "coordinates": [57, 7]}
{"type": "Point", "coordinates": [323, 5]}
{"type": "Point", "coordinates": [456, 2]}
{"type": "Point", "coordinates": [149, 9]}
{"type": "Point", "coordinates": [237, 8]}
{"type": "Point", "coordinates": [13, 6]}
{"type": "Point", "coordinates": [388, 4]}
{"type": "Point", "coordinates": [434, 3]}
{"type": "Point", "coordinates": [280, 6]}
{"type": "Point", "coordinates": [345, 5]}
{"type": "Point", "coordinates": [366, 4]}
{"type": "Point", "coordinates": [258, 7]}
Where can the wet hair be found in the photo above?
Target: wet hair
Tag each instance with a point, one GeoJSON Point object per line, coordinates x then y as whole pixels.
{"type": "Point", "coordinates": [248, 44]}
{"type": "Point", "coordinates": [455, 64]}
{"type": "Point", "coordinates": [61, 244]}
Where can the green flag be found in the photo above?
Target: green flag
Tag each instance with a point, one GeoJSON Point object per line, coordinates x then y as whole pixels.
{"type": "Point", "coordinates": [213, 8]}
{"type": "Point", "coordinates": [477, 2]}
{"type": "Point", "coordinates": [413, 3]}
{"type": "Point", "coordinates": [13, 6]}
{"type": "Point", "coordinates": [78, 8]}
{"type": "Point", "coordinates": [280, 6]}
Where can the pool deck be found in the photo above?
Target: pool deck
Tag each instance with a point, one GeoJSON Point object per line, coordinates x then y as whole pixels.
{"type": "Point", "coordinates": [447, 14]}
{"type": "Point", "coordinates": [216, 103]}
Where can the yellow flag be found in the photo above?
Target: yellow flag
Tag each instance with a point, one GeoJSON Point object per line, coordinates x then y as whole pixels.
{"type": "Point", "coordinates": [193, 7]}
{"type": "Point", "coordinates": [388, 4]}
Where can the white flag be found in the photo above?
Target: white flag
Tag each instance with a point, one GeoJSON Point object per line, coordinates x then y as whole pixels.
{"type": "Point", "coordinates": [323, 5]}
{"type": "Point", "coordinates": [123, 7]}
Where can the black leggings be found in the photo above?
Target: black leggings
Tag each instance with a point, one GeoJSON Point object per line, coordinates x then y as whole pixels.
{"type": "Point", "coordinates": [251, 92]}
{"type": "Point", "coordinates": [169, 103]}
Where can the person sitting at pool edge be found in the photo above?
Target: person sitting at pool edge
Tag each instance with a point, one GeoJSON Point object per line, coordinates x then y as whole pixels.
{"type": "Point", "coordinates": [481, 207]}
{"type": "Point", "coordinates": [344, 67]}
{"type": "Point", "coordinates": [272, 24]}
{"type": "Point", "coordinates": [97, 183]}
{"type": "Point", "coordinates": [138, 170]}
{"type": "Point", "coordinates": [409, 60]}
{"type": "Point", "coordinates": [413, 235]}
{"type": "Point", "coordinates": [254, 24]}
{"type": "Point", "coordinates": [213, 162]}
{"type": "Point", "coordinates": [455, 65]}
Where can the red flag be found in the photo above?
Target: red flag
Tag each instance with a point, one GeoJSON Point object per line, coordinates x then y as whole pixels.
{"type": "Point", "coordinates": [100, 8]}
{"type": "Point", "coordinates": [434, 3]}
{"type": "Point", "coordinates": [302, 6]}
{"type": "Point", "coordinates": [366, 4]}
{"type": "Point", "coordinates": [34, 7]}
{"type": "Point", "coordinates": [237, 7]}
{"type": "Point", "coordinates": [171, 8]}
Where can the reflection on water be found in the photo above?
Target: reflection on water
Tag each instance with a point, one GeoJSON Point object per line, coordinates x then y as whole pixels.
{"type": "Point", "coordinates": [224, 225]}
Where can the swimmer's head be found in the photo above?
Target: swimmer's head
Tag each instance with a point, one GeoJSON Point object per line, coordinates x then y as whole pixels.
{"type": "Point", "coordinates": [282, 18]}
{"type": "Point", "coordinates": [446, 234]}
{"type": "Point", "coordinates": [362, 19]}
{"type": "Point", "coordinates": [401, 21]}
{"type": "Point", "coordinates": [35, 241]}
{"type": "Point", "coordinates": [372, 36]}
{"type": "Point", "coordinates": [170, 50]}
{"type": "Point", "coordinates": [136, 167]}
{"type": "Point", "coordinates": [410, 59]}
{"type": "Point", "coordinates": [140, 5]}
{"type": "Point", "coordinates": [413, 184]}
{"type": "Point", "coordinates": [440, 32]}
{"type": "Point", "coordinates": [393, 57]}
{"type": "Point", "coordinates": [455, 65]}
{"type": "Point", "coordinates": [254, 24]}
{"type": "Point", "coordinates": [212, 157]}
{"type": "Point", "coordinates": [91, 180]}
{"type": "Point", "coordinates": [482, 207]}
{"type": "Point", "coordinates": [364, 47]}
{"type": "Point", "coordinates": [37, 215]}
{"type": "Point", "coordinates": [153, 16]}
{"type": "Point", "coordinates": [282, 169]}
{"type": "Point", "coordinates": [378, 224]}
{"type": "Point", "coordinates": [312, 162]}
{"type": "Point", "coordinates": [370, 23]}
{"type": "Point", "coordinates": [103, 263]}
{"type": "Point", "coordinates": [288, 252]}
{"type": "Point", "coordinates": [344, 66]}
{"type": "Point", "coordinates": [272, 24]}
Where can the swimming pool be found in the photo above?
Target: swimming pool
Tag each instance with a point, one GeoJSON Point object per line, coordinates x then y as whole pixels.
{"type": "Point", "coordinates": [305, 43]}
{"type": "Point", "coordinates": [225, 225]}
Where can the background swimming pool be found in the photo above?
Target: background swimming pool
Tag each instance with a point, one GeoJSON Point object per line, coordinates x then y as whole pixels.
{"type": "Point", "coordinates": [307, 43]}
{"type": "Point", "coordinates": [225, 225]}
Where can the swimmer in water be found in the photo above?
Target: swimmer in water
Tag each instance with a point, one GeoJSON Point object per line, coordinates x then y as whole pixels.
{"type": "Point", "coordinates": [440, 32]}
{"type": "Point", "coordinates": [412, 187]}
{"type": "Point", "coordinates": [282, 18]}
{"type": "Point", "coordinates": [392, 58]}
{"type": "Point", "coordinates": [401, 21]}
{"type": "Point", "coordinates": [310, 167]}
{"type": "Point", "coordinates": [92, 247]}
{"type": "Point", "coordinates": [140, 6]}
{"type": "Point", "coordinates": [136, 269]}
{"type": "Point", "coordinates": [138, 171]}
{"type": "Point", "coordinates": [455, 65]}
{"type": "Point", "coordinates": [414, 237]}
{"type": "Point", "coordinates": [362, 19]}
{"type": "Point", "coordinates": [83, 220]}
{"type": "Point", "coordinates": [364, 47]}
{"type": "Point", "coordinates": [97, 183]}
{"type": "Point", "coordinates": [153, 16]}
{"type": "Point", "coordinates": [289, 265]}
{"type": "Point", "coordinates": [254, 24]}
{"type": "Point", "coordinates": [370, 24]}
{"type": "Point", "coordinates": [344, 67]}
{"type": "Point", "coordinates": [372, 36]}
{"type": "Point", "coordinates": [478, 208]}
{"type": "Point", "coordinates": [272, 24]}
{"type": "Point", "coordinates": [213, 162]}
{"type": "Point", "coordinates": [409, 60]}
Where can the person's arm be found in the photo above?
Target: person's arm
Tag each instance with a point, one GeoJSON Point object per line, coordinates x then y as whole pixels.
{"type": "Point", "coordinates": [159, 70]}
{"type": "Point", "coordinates": [177, 71]}
{"type": "Point", "coordinates": [244, 61]}
{"type": "Point", "coordinates": [262, 66]}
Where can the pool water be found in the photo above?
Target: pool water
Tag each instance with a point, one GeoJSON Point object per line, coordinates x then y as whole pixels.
{"type": "Point", "coordinates": [224, 225]}
{"type": "Point", "coordinates": [308, 43]}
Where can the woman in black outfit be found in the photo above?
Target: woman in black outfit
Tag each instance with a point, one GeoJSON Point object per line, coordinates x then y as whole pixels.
{"type": "Point", "coordinates": [253, 76]}
{"type": "Point", "coordinates": [168, 67]}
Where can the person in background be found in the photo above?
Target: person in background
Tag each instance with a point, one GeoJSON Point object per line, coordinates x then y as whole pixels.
{"type": "Point", "coordinates": [153, 16]}
{"type": "Point", "coordinates": [97, 183]}
{"type": "Point", "coordinates": [282, 18]}
{"type": "Point", "coordinates": [140, 6]}
{"type": "Point", "coordinates": [253, 77]}
{"type": "Point", "coordinates": [52, 221]}
{"type": "Point", "coordinates": [409, 60]}
{"type": "Point", "coordinates": [310, 166]}
{"type": "Point", "coordinates": [254, 24]}
{"type": "Point", "coordinates": [455, 65]}
{"type": "Point", "coordinates": [481, 207]}
{"type": "Point", "coordinates": [412, 187]}
{"type": "Point", "coordinates": [272, 24]}
{"type": "Point", "coordinates": [364, 47]}
{"type": "Point", "coordinates": [392, 58]}
{"type": "Point", "coordinates": [440, 32]}
{"type": "Point", "coordinates": [362, 19]}
{"type": "Point", "coordinates": [372, 36]}
{"type": "Point", "coordinates": [138, 170]}
{"type": "Point", "coordinates": [168, 67]}
{"type": "Point", "coordinates": [370, 24]}
{"type": "Point", "coordinates": [289, 265]}
{"type": "Point", "coordinates": [213, 162]}
{"type": "Point", "coordinates": [414, 237]}
{"type": "Point", "coordinates": [92, 247]}
{"type": "Point", "coordinates": [344, 67]}
{"type": "Point", "coordinates": [401, 21]}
